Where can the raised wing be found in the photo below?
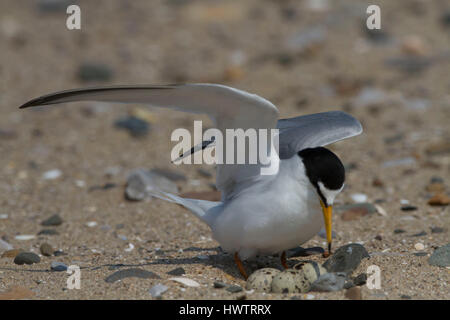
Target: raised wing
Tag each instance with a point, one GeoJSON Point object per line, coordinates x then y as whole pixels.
{"type": "Point", "coordinates": [315, 130]}
{"type": "Point", "coordinates": [229, 108]}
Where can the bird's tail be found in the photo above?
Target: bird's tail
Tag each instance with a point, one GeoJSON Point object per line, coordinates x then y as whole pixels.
{"type": "Point", "coordinates": [200, 208]}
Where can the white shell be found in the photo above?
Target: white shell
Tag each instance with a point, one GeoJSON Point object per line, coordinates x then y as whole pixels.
{"type": "Point", "coordinates": [186, 281]}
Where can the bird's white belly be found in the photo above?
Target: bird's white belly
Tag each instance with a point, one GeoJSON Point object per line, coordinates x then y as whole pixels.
{"type": "Point", "coordinates": [268, 223]}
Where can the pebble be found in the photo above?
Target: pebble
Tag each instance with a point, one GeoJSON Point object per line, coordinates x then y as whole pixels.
{"type": "Point", "coordinates": [131, 273]}
{"type": "Point", "coordinates": [327, 282]}
{"type": "Point", "coordinates": [441, 256]}
{"type": "Point", "coordinates": [359, 197]}
{"type": "Point", "coordinates": [157, 290]}
{"type": "Point", "coordinates": [177, 272]}
{"type": "Point", "coordinates": [11, 253]}
{"type": "Point", "coordinates": [399, 162]}
{"type": "Point", "coordinates": [53, 5]}
{"type": "Point", "coordinates": [398, 231]}
{"type": "Point", "coordinates": [261, 280]}
{"type": "Point", "coordinates": [219, 285]}
{"type": "Point", "coordinates": [353, 293]}
{"type": "Point", "coordinates": [5, 246]}
{"type": "Point", "coordinates": [186, 281]}
{"type": "Point", "coordinates": [25, 237]}
{"type": "Point", "coordinates": [91, 224]}
{"type": "Point", "coordinates": [408, 208]}
{"type": "Point", "coordinates": [437, 230]}
{"type": "Point", "coordinates": [135, 126]}
{"type": "Point", "coordinates": [58, 253]}
{"type": "Point", "coordinates": [234, 289]}
{"type": "Point", "coordinates": [346, 259]}
{"type": "Point", "coordinates": [54, 220]}
{"type": "Point", "coordinates": [360, 279]}
{"type": "Point", "coordinates": [439, 199]}
{"type": "Point", "coordinates": [419, 246]}
{"type": "Point", "coordinates": [46, 249]}
{"type": "Point", "coordinates": [52, 174]}
{"type": "Point", "coordinates": [48, 232]}
{"type": "Point", "coordinates": [420, 234]}
{"type": "Point", "coordinates": [88, 72]}
{"type": "Point", "coordinates": [3, 216]}
{"type": "Point", "coordinates": [141, 183]}
{"type": "Point", "coordinates": [26, 258]}
{"type": "Point", "coordinates": [58, 266]}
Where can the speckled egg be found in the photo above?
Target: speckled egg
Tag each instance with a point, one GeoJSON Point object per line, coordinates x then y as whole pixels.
{"type": "Point", "coordinates": [311, 269]}
{"type": "Point", "coordinates": [261, 280]}
{"type": "Point", "coordinates": [290, 281]}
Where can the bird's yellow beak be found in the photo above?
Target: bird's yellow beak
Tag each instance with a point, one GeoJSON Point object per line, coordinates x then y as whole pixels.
{"type": "Point", "coordinates": [327, 214]}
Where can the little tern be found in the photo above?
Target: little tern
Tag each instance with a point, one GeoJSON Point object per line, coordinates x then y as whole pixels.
{"type": "Point", "coordinates": [258, 214]}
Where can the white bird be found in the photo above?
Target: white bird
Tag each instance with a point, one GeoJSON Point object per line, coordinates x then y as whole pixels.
{"type": "Point", "coordinates": [258, 214]}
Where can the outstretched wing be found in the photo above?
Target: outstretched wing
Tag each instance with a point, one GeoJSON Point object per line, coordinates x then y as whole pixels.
{"type": "Point", "coordinates": [229, 108]}
{"type": "Point", "coordinates": [315, 130]}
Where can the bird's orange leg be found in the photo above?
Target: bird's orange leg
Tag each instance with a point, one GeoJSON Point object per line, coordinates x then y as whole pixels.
{"type": "Point", "coordinates": [283, 260]}
{"type": "Point", "coordinates": [240, 266]}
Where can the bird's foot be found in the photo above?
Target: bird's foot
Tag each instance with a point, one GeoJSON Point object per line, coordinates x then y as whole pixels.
{"type": "Point", "coordinates": [240, 266]}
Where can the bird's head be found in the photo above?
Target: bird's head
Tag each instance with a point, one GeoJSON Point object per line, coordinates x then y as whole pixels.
{"type": "Point", "coordinates": [327, 175]}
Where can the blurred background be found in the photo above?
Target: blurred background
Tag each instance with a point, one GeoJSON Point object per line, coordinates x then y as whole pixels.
{"type": "Point", "coordinates": [305, 56]}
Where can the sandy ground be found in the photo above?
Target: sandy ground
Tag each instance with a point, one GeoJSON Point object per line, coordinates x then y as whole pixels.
{"type": "Point", "coordinates": [242, 44]}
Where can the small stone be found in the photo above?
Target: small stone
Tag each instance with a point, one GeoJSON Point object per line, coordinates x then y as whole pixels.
{"type": "Point", "coordinates": [46, 249]}
{"type": "Point", "coordinates": [25, 237]}
{"type": "Point", "coordinates": [48, 232]}
{"type": "Point", "coordinates": [54, 220]}
{"type": "Point", "coordinates": [157, 290]}
{"type": "Point", "coordinates": [3, 216]}
{"type": "Point", "coordinates": [11, 253]}
{"type": "Point", "coordinates": [353, 293]}
{"type": "Point", "coordinates": [378, 237]}
{"type": "Point", "coordinates": [26, 258]}
{"type": "Point", "coordinates": [177, 272]}
{"type": "Point", "coordinates": [58, 253]}
{"type": "Point", "coordinates": [346, 259]}
{"type": "Point", "coordinates": [398, 231]}
{"type": "Point", "coordinates": [135, 126]}
{"type": "Point", "coordinates": [419, 234]}
{"type": "Point", "coordinates": [360, 280]}
{"type": "Point", "coordinates": [219, 285]}
{"type": "Point", "coordinates": [52, 174]}
{"type": "Point", "coordinates": [88, 72]}
{"type": "Point", "coordinates": [186, 281]}
{"type": "Point", "coordinates": [419, 246]}
{"type": "Point", "coordinates": [420, 254]}
{"type": "Point", "coordinates": [408, 208]}
{"type": "Point", "coordinates": [5, 246]}
{"type": "Point", "coordinates": [131, 273]}
{"type": "Point", "coordinates": [439, 199]}
{"type": "Point", "coordinates": [437, 230]}
{"type": "Point", "coordinates": [329, 282]}
{"type": "Point", "coordinates": [58, 266]}
{"type": "Point", "coordinates": [405, 297]}
{"type": "Point", "coordinates": [414, 45]}
{"type": "Point", "coordinates": [441, 256]}
{"type": "Point", "coordinates": [261, 280]}
{"type": "Point", "coordinates": [234, 289]}
{"type": "Point", "coordinates": [359, 197]}
{"type": "Point", "coordinates": [378, 183]}
{"type": "Point", "coordinates": [438, 148]}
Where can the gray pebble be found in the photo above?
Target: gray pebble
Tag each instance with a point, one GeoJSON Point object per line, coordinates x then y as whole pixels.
{"type": "Point", "coordinates": [157, 290]}
{"type": "Point", "coordinates": [48, 232]}
{"type": "Point", "coordinates": [26, 258]}
{"type": "Point", "coordinates": [437, 230]}
{"type": "Point", "coordinates": [219, 285]}
{"type": "Point", "coordinates": [234, 289]}
{"type": "Point", "coordinates": [177, 272]}
{"type": "Point", "coordinates": [398, 231]}
{"type": "Point", "coordinates": [441, 256]}
{"type": "Point", "coordinates": [360, 280]}
{"type": "Point", "coordinates": [54, 220]}
{"type": "Point", "coordinates": [346, 259]}
{"type": "Point", "coordinates": [334, 281]}
{"type": "Point", "coordinates": [58, 266]}
{"type": "Point", "coordinates": [131, 273]}
{"type": "Point", "coordinates": [46, 249]}
{"type": "Point", "coordinates": [135, 126]}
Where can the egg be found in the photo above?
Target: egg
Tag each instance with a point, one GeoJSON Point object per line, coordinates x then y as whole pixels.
{"type": "Point", "coordinates": [290, 281]}
{"type": "Point", "coordinates": [311, 269]}
{"type": "Point", "coordinates": [261, 280]}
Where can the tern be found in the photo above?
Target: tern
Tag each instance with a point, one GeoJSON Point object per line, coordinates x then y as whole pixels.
{"type": "Point", "coordinates": [258, 214]}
